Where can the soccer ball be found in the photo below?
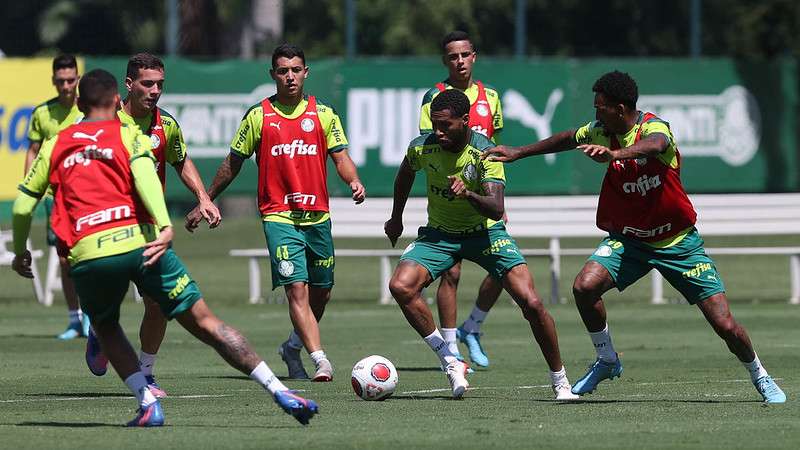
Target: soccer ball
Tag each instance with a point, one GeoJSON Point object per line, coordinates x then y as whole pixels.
{"type": "Point", "coordinates": [374, 378]}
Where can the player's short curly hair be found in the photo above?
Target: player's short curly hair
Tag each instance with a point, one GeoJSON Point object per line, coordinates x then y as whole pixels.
{"type": "Point", "coordinates": [454, 36]}
{"type": "Point", "coordinates": [453, 100]}
{"type": "Point", "coordinates": [97, 88]}
{"type": "Point", "coordinates": [618, 87]}
{"type": "Point", "coordinates": [287, 51]}
{"type": "Point", "coordinates": [143, 61]}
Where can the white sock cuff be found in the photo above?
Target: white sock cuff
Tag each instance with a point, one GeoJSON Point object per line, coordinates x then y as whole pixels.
{"type": "Point", "coordinates": [264, 376]}
{"type": "Point", "coordinates": [602, 332]}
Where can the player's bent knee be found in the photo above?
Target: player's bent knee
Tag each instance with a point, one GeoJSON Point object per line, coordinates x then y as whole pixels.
{"type": "Point", "coordinates": [585, 286]}
{"type": "Point", "coordinates": [532, 309]}
{"type": "Point", "coordinates": [401, 290]}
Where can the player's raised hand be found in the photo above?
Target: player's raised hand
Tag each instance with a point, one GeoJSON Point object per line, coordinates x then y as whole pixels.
{"type": "Point", "coordinates": [457, 187]}
{"type": "Point", "coordinates": [155, 249]}
{"type": "Point", "coordinates": [22, 264]}
{"type": "Point", "coordinates": [501, 153]}
{"type": "Point", "coordinates": [599, 153]}
{"type": "Point", "coordinates": [393, 229]}
{"type": "Point", "coordinates": [210, 213]}
{"type": "Point", "coordinates": [359, 193]}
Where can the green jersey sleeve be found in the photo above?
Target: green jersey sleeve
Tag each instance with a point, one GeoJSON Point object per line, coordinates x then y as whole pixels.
{"type": "Point", "coordinates": [38, 177]}
{"type": "Point", "coordinates": [334, 131]}
{"type": "Point", "coordinates": [414, 155]}
{"type": "Point", "coordinates": [425, 125]}
{"type": "Point", "coordinates": [492, 172]}
{"type": "Point", "coordinates": [670, 155]}
{"type": "Point", "coordinates": [175, 150]}
{"type": "Point", "coordinates": [248, 135]}
{"type": "Point", "coordinates": [137, 144]}
{"type": "Point", "coordinates": [591, 133]}
{"type": "Point", "coordinates": [35, 133]}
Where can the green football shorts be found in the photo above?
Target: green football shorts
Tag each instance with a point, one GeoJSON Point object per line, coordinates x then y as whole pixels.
{"type": "Point", "coordinates": [300, 253]}
{"type": "Point", "coordinates": [684, 265]}
{"type": "Point", "coordinates": [493, 249]}
{"type": "Point", "coordinates": [103, 282]}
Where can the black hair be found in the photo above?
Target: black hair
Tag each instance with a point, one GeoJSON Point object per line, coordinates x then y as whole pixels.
{"type": "Point", "coordinates": [142, 61]}
{"type": "Point", "coordinates": [453, 100]}
{"type": "Point", "coordinates": [287, 51]}
{"type": "Point", "coordinates": [64, 62]}
{"type": "Point", "coordinates": [454, 36]}
{"type": "Point", "coordinates": [97, 88]}
{"type": "Point", "coordinates": [618, 87]}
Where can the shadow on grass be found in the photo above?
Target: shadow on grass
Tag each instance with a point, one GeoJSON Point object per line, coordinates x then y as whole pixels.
{"type": "Point", "coordinates": [242, 377]}
{"type": "Point", "coordinates": [655, 400]}
{"type": "Point", "coordinates": [419, 369]}
{"type": "Point", "coordinates": [434, 397]}
{"type": "Point", "coordinates": [68, 424]}
{"type": "Point", "coordinates": [36, 336]}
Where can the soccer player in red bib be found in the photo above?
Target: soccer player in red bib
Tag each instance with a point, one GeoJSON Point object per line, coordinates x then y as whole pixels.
{"type": "Point", "coordinates": [292, 135]}
{"type": "Point", "coordinates": [650, 222]}
{"type": "Point", "coordinates": [144, 81]}
{"type": "Point", "coordinates": [486, 118]}
{"type": "Point", "coordinates": [112, 225]}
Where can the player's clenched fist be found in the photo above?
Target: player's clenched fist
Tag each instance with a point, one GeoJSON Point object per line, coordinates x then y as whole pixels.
{"type": "Point", "coordinates": [393, 229]}
{"type": "Point", "coordinates": [457, 187]}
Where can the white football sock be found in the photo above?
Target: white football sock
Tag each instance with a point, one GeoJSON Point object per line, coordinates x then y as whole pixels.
{"type": "Point", "coordinates": [476, 318]}
{"type": "Point", "coordinates": [263, 375]}
{"type": "Point", "coordinates": [146, 363]}
{"type": "Point", "coordinates": [295, 341]}
{"type": "Point", "coordinates": [436, 342]}
{"type": "Point", "coordinates": [559, 377]}
{"type": "Point", "coordinates": [449, 336]}
{"type": "Point", "coordinates": [755, 368]}
{"type": "Point", "coordinates": [318, 356]}
{"type": "Point", "coordinates": [603, 346]}
{"type": "Point", "coordinates": [138, 385]}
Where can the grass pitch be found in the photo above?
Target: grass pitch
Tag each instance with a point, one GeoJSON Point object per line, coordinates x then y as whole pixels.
{"type": "Point", "coordinates": [680, 389]}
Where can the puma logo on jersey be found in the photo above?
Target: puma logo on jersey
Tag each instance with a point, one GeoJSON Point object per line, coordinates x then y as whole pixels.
{"type": "Point", "coordinates": [298, 146]}
{"type": "Point", "coordinates": [480, 129]}
{"type": "Point", "coordinates": [85, 156]}
{"type": "Point", "coordinates": [269, 114]}
{"type": "Point", "coordinates": [103, 216]}
{"type": "Point", "coordinates": [276, 125]}
{"type": "Point", "coordinates": [91, 137]}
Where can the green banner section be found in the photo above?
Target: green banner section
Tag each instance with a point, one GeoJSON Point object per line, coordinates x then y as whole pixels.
{"type": "Point", "coordinates": [734, 122]}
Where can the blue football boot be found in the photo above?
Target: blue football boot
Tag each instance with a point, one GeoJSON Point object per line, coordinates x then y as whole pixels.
{"type": "Point", "coordinates": [86, 325]}
{"type": "Point", "coordinates": [95, 358]}
{"type": "Point", "coordinates": [150, 416]}
{"type": "Point", "coordinates": [74, 330]}
{"type": "Point", "coordinates": [294, 405]}
{"type": "Point", "coordinates": [769, 390]}
{"type": "Point", "coordinates": [473, 343]}
{"type": "Point", "coordinates": [598, 372]}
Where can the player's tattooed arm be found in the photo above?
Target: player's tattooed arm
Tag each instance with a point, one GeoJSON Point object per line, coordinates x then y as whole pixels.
{"type": "Point", "coordinates": [227, 171]}
{"type": "Point", "coordinates": [402, 187]}
{"type": "Point", "coordinates": [490, 205]}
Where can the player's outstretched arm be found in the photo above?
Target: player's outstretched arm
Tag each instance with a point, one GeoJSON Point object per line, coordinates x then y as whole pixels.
{"type": "Point", "coordinates": [348, 173]}
{"type": "Point", "coordinates": [650, 146]}
{"type": "Point", "coordinates": [402, 187]}
{"type": "Point", "coordinates": [227, 171]}
{"type": "Point", "coordinates": [191, 179]}
{"type": "Point", "coordinates": [558, 142]}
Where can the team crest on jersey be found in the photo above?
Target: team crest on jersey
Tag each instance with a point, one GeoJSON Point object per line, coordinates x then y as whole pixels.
{"type": "Point", "coordinates": [470, 172]}
{"type": "Point", "coordinates": [155, 141]}
{"type": "Point", "coordinates": [307, 125]}
{"type": "Point", "coordinates": [482, 110]}
{"type": "Point", "coordinates": [285, 268]}
{"type": "Point", "coordinates": [603, 251]}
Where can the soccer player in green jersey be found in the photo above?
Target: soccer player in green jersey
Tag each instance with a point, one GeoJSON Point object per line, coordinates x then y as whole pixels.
{"type": "Point", "coordinates": [486, 117]}
{"type": "Point", "coordinates": [465, 211]}
{"type": "Point", "coordinates": [46, 121]}
{"type": "Point", "coordinates": [651, 225]}
{"type": "Point", "coordinates": [108, 250]}
{"type": "Point", "coordinates": [292, 135]}
{"type": "Point", "coordinates": [144, 81]}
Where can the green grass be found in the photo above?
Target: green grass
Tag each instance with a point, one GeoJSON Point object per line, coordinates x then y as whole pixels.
{"type": "Point", "coordinates": [681, 388]}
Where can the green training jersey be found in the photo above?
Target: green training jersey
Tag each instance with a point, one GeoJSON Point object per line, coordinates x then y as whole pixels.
{"type": "Point", "coordinates": [446, 212]}
{"type": "Point", "coordinates": [425, 125]}
{"type": "Point", "coordinates": [51, 117]}
{"type": "Point", "coordinates": [175, 150]}
{"type": "Point", "coordinates": [594, 133]}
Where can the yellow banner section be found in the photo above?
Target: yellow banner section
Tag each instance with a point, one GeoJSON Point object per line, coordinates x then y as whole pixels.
{"type": "Point", "coordinates": [24, 83]}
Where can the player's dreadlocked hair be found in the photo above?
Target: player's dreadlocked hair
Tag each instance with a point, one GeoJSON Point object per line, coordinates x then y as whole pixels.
{"type": "Point", "coordinates": [618, 87]}
{"type": "Point", "coordinates": [142, 61]}
{"type": "Point", "coordinates": [97, 89]}
{"type": "Point", "coordinates": [64, 62]}
{"type": "Point", "coordinates": [453, 100]}
{"type": "Point", "coordinates": [454, 36]}
{"type": "Point", "coordinates": [287, 51]}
